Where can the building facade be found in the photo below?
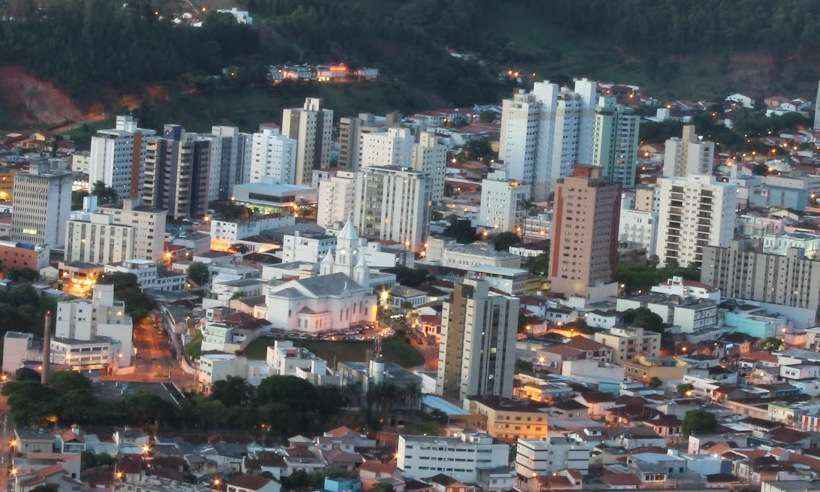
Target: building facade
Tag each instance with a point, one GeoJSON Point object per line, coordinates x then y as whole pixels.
{"type": "Point", "coordinates": [615, 141]}
{"type": "Point", "coordinates": [584, 232]}
{"type": "Point", "coordinates": [695, 211]}
{"type": "Point", "coordinates": [742, 270]}
{"type": "Point", "coordinates": [116, 157]}
{"type": "Point", "coordinates": [502, 203]}
{"type": "Point", "coordinates": [336, 198]}
{"type": "Point", "coordinates": [273, 157]}
{"type": "Point", "coordinates": [41, 204]}
{"type": "Point", "coordinates": [688, 155]}
{"type": "Point", "coordinates": [312, 128]}
{"type": "Point", "coordinates": [477, 349]}
{"type": "Point", "coordinates": [113, 235]}
{"type": "Point", "coordinates": [392, 204]}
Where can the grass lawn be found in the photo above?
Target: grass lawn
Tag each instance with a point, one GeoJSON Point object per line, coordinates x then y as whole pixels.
{"type": "Point", "coordinates": [395, 350]}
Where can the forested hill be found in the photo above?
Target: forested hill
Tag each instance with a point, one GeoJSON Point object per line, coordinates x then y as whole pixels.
{"type": "Point", "coordinates": [673, 45]}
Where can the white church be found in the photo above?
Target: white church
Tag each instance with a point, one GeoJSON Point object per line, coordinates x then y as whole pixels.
{"type": "Point", "coordinates": [340, 296]}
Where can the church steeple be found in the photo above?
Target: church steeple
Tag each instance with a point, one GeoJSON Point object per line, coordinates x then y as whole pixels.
{"type": "Point", "coordinates": [361, 273]}
{"type": "Point", "coordinates": [326, 265]}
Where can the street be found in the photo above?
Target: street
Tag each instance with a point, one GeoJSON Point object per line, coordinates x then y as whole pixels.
{"type": "Point", "coordinates": [154, 360]}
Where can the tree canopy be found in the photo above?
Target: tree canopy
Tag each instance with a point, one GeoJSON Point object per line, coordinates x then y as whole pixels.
{"type": "Point", "coordinates": [699, 422]}
{"type": "Point", "coordinates": [127, 289]}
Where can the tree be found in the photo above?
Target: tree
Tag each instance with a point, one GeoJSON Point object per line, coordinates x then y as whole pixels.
{"type": "Point", "coordinates": [760, 169]}
{"type": "Point", "coordinates": [643, 318]}
{"type": "Point", "coordinates": [127, 289]}
{"type": "Point", "coordinates": [26, 374]}
{"type": "Point", "coordinates": [684, 389]}
{"type": "Point", "coordinates": [105, 194]}
{"type": "Point", "coordinates": [199, 273]}
{"type": "Point", "coordinates": [233, 391]}
{"type": "Point", "coordinates": [411, 277]}
{"type": "Point", "coordinates": [22, 275]}
{"type": "Point", "coordinates": [538, 265]}
{"type": "Point", "coordinates": [382, 487]}
{"type": "Point", "coordinates": [655, 383]}
{"type": "Point", "coordinates": [504, 240]}
{"type": "Point", "coordinates": [771, 344]}
{"type": "Point", "coordinates": [487, 116]}
{"type": "Point", "coordinates": [460, 230]}
{"type": "Point", "coordinates": [699, 422]}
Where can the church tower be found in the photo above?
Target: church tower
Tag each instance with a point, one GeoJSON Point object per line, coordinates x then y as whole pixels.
{"type": "Point", "coordinates": [361, 273]}
{"type": "Point", "coordinates": [347, 248]}
{"type": "Point", "coordinates": [326, 265]}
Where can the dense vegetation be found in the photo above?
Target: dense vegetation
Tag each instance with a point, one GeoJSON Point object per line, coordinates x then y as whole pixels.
{"type": "Point", "coordinates": [82, 42]}
{"type": "Point", "coordinates": [280, 406]}
{"type": "Point", "coordinates": [127, 289]}
{"type": "Point", "coordinates": [22, 309]}
{"type": "Point", "coordinates": [673, 26]}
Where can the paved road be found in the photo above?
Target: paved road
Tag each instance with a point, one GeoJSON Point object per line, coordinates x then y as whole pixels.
{"type": "Point", "coordinates": [154, 360]}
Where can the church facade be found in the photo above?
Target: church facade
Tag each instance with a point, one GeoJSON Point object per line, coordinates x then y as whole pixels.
{"type": "Point", "coordinates": [338, 298]}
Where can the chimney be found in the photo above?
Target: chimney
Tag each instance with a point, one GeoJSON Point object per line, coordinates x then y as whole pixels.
{"type": "Point", "coordinates": [44, 374]}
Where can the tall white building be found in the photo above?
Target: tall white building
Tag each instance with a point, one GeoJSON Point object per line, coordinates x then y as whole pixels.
{"type": "Point", "coordinates": [113, 235]}
{"type": "Point", "coordinates": [615, 141]}
{"type": "Point", "coordinates": [638, 227]}
{"type": "Point", "coordinates": [502, 202]}
{"type": "Point", "coordinates": [430, 157]}
{"type": "Point", "coordinates": [462, 456]}
{"type": "Point", "coordinates": [312, 128]}
{"type": "Point", "coordinates": [539, 458]}
{"type": "Point", "coordinates": [477, 349]}
{"type": "Point", "coordinates": [688, 154]}
{"type": "Point", "coordinates": [695, 211]}
{"type": "Point", "coordinates": [392, 204]}
{"type": "Point", "coordinates": [116, 157]}
{"type": "Point", "coordinates": [100, 318]}
{"type": "Point", "coordinates": [391, 147]}
{"type": "Point", "coordinates": [546, 132]}
{"type": "Point", "coordinates": [336, 199]}
{"type": "Point", "coordinates": [273, 157]}
{"type": "Point", "coordinates": [41, 204]}
{"type": "Point", "coordinates": [353, 129]}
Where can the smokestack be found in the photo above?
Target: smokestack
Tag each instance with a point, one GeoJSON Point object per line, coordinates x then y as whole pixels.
{"type": "Point", "coordinates": [46, 349]}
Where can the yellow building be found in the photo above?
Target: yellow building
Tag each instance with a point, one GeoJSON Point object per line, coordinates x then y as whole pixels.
{"type": "Point", "coordinates": [508, 419]}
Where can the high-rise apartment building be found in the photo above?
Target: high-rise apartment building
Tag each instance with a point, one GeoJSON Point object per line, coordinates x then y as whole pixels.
{"type": "Point", "coordinates": [273, 157]}
{"type": "Point", "coordinates": [478, 336]}
{"type": "Point", "coordinates": [694, 212]}
{"type": "Point", "coordinates": [178, 174]}
{"type": "Point", "coordinates": [312, 127]}
{"type": "Point", "coordinates": [546, 132]}
{"type": "Point", "coordinates": [584, 240]}
{"type": "Point", "coordinates": [430, 157]}
{"type": "Point", "coordinates": [108, 235]}
{"type": "Point", "coordinates": [336, 198]}
{"type": "Point", "coordinates": [41, 203]}
{"type": "Point", "coordinates": [116, 157]}
{"type": "Point", "coordinates": [393, 204]}
{"type": "Point", "coordinates": [615, 141]}
{"type": "Point", "coordinates": [742, 270]}
{"type": "Point", "coordinates": [502, 202]}
{"type": "Point", "coordinates": [351, 131]}
{"type": "Point", "coordinates": [160, 168]}
{"type": "Point", "coordinates": [192, 176]}
{"type": "Point", "coordinates": [391, 147]}
{"type": "Point", "coordinates": [231, 150]}
{"type": "Point", "coordinates": [688, 154]}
